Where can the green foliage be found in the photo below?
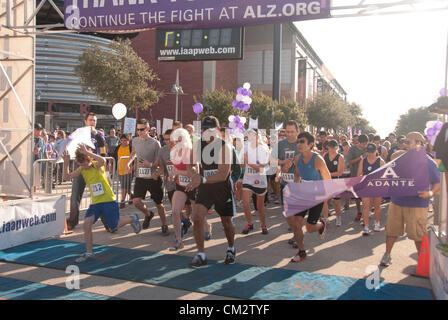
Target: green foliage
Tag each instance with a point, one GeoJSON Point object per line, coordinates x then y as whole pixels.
{"type": "Point", "coordinates": [414, 120]}
{"type": "Point", "coordinates": [329, 111]}
{"type": "Point", "coordinates": [218, 103]}
{"type": "Point", "coordinates": [118, 75]}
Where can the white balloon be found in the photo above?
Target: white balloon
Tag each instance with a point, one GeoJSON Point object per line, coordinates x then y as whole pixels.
{"type": "Point", "coordinates": [246, 85]}
{"type": "Point", "coordinates": [243, 120]}
{"type": "Point", "coordinates": [119, 111]}
{"type": "Point", "coordinates": [247, 100]}
{"type": "Point", "coordinates": [430, 124]}
{"type": "Point", "coordinates": [232, 125]}
{"type": "Point", "coordinates": [231, 118]}
{"type": "Point", "coordinates": [239, 97]}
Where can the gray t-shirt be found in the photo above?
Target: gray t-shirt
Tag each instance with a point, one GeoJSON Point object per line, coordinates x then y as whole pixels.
{"type": "Point", "coordinates": [146, 150]}
{"type": "Point", "coordinates": [112, 143]}
{"type": "Point", "coordinates": [354, 153]}
{"type": "Point", "coordinates": [287, 150]}
{"type": "Point", "coordinates": [164, 160]}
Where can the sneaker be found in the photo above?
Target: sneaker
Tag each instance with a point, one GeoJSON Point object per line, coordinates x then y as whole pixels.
{"type": "Point", "coordinates": [386, 260]}
{"type": "Point", "coordinates": [338, 221]}
{"type": "Point", "coordinates": [292, 241]}
{"type": "Point", "coordinates": [247, 228]}
{"type": "Point", "coordinates": [208, 236]}
{"type": "Point", "coordinates": [255, 213]}
{"type": "Point", "coordinates": [300, 256]}
{"type": "Point", "coordinates": [165, 231]}
{"type": "Point", "coordinates": [358, 217]}
{"type": "Point", "coordinates": [148, 220]}
{"type": "Point", "coordinates": [186, 224]}
{"type": "Point", "coordinates": [84, 257]}
{"type": "Point", "coordinates": [198, 262]}
{"type": "Point", "coordinates": [135, 224]}
{"type": "Point", "coordinates": [177, 246]}
{"type": "Point", "coordinates": [230, 257]}
{"type": "Point", "coordinates": [264, 230]}
{"type": "Point", "coordinates": [366, 231]}
{"type": "Point", "coordinates": [323, 230]}
{"type": "Point", "coordinates": [377, 227]}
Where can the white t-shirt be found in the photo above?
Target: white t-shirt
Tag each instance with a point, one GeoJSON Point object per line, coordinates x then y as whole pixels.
{"type": "Point", "coordinates": [258, 155]}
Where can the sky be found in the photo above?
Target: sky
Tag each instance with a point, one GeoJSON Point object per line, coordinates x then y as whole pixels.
{"type": "Point", "coordinates": [388, 64]}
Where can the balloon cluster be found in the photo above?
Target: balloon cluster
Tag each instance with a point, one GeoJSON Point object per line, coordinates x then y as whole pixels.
{"type": "Point", "coordinates": [197, 108]}
{"type": "Point", "coordinates": [236, 124]}
{"type": "Point", "coordinates": [243, 100]}
{"type": "Point", "coordinates": [432, 130]}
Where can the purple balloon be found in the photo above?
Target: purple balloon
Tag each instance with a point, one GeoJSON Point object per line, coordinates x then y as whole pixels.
{"type": "Point", "coordinates": [240, 105]}
{"type": "Point", "coordinates": [245, 92]}
{"type": "Point", "coordinates": [442, 92]}
{"type": "Point", "coordinates": [240, 91]}
{"type": "Point", "coordinates": [246, 107]}
{"type": "Point", "coordinates": [249, 92]}
{"type": "Point", "coordinates": [234, 103]}
{"type": "Point", "coordinates": [430, 132]}
{"type": "Point", "coordinates": [240, 125]}
{"type": "Point", "coordinates": [197, 108]}
{"type": "Point", "coordinates": [236, 119]}
{"type": "Point", "coordinates": [438, 126]}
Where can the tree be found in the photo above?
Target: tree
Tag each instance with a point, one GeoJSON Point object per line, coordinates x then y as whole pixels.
{"type": "Point", "coordinates": [358, 121]}
{"type": "Point", "coordinates": [329, 111]}
{"type": "Point", "coordinates": [118, 75]}
{"type": "Point", "coordinates": [414, 120]}
{"type": "Point", "coordinates": [218, 103]}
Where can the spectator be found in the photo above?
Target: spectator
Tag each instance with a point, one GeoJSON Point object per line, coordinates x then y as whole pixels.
{"type": "Point", "coordinates": [39, 144]}
{"type": "Point", "coordinates": [60, 138]}
{"type": "Point", "coordinates": [111, 142]}
{"type": "Point", "coordinates": [355, 156]}
{"type": "Point", "coordinates": [177, 125]}
{"type": "Point", "coordinates": [124, 150]}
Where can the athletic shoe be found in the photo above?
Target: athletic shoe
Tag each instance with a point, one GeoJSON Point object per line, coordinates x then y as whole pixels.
{"type": "Point", "coordinates": [185, 226]}
{"type": "Point", "coordinates": [84, 257]}
{"type": "Point", "coordinates": [135, 224]}
{"type": "Point", "coordinates": [230, 257]}
{"type": "Point", "coordinates": [338, 221]}
{"type": "Point", "coordinates": [247, 228]}
{"type": "Point", "coordinates": [300, 256]}
{"type": "Point", "coordinates": [358, 217]}
{"type": "Point", "coordinates": [165, 231]}
{"type": "Point", "coordinates": [148, 220]}
{"type": "Point", "coordinates": [177, 246]}
{"type": "Point", "coordinates": [255, 212]}
{"type": "Point", "coordinates": [377, 227]}
{"type": "Point", "coordinates": [323, 230]}
{"type": "Point", "coordinates": [264, 230]}
{"type": "Point", "coordinates": [292, 241]}
{"type": "Point", "coordinates": [208, 236]}
{"type": "Point", "coordinates": [366, 231]}
{"type": "Point", "coordinates": [198, 262]}
{"type": "Point", "coordinates": [386, 260]}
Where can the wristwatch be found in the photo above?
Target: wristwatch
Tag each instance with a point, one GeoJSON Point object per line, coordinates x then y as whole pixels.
{"type": "Point", "coordinates": [431, 194]}
{"type": "Point", "coordinates": [204, 180]}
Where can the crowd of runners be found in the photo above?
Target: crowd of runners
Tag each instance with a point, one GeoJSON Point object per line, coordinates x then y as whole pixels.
{"type": "Point", "coordinates": [222, 170]}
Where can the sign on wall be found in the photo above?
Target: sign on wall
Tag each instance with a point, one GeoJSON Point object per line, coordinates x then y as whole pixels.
{"type": "Point", "coordinates": [111, 15]}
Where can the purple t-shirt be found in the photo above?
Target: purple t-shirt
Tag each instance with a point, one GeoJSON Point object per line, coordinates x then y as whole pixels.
{"type": "Point", "coordinates": [415, 201]}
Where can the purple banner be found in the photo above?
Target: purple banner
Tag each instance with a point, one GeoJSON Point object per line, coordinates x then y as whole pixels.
{"type": "Point", "coordinates": [126, 15]}
{"type": "Point", "coordinates": [404, 176]}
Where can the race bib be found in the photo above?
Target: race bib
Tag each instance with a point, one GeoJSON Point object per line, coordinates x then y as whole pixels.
{"type": "Point", "coordinates": [289, 154]}
{"type": "Point", "coordinates": [208, 173]}
{"type": "Point", "coordinates": [251, 170]}
{"type": "Point", "coordinates": [335, 163]}
{"type": "Point", "coordinates": [97, 189]}
{"type": "Point", "coordinates": [170, 167]}
{"type": "Point", "coordinates": [288, 177]}
{"type": "Point", "coordinates": [144, 173]}
{"type": "Point", "coordinates": [303, 181]}
{"type": "Point", "coordinates": [184, 181]}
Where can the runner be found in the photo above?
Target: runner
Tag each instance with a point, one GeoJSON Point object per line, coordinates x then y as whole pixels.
{"type": "Point", "coordinates": [309, 167]}
{"type": "Point", "coordinates": [91, 167]}
{"type": "Point", "coordinates": [285, 154]}
{"type": "Point", "coordinates": [335, 164]}
{"type": "Point", "coordinates": [355, 156]}
{"type": "Point", "coordinates": [346, 148]}
{"type": "Point", "coordinates": [370, 163]}
{"type": "Point", "coordinates": [256, 159]}
{"type": "Point", "coordinates": [214, 188]}
{"type": "Point", "coordinates": [381, 151]}
{"type": "Point", "coordinates": [145, 150]}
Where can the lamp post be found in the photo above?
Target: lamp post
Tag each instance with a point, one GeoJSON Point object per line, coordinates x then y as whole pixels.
{"type": "Point", "coordinates": [177, 90]}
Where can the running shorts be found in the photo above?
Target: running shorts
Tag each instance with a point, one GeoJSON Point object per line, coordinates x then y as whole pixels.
{"type": "Point", "coordinates": [153, 186]}
{"type": "Point", "coordinates": [191, 196]}
{"type": "Point", "coordinates": [218, 194]}
{"type": "Point", "coordinates": [313, 214]}
{"type": "Point", "coordinates": [109, 210]}
{"type": "Point", "coordinates": [415, 220]}
{"type": "Point", "coordinates": [258, 191]}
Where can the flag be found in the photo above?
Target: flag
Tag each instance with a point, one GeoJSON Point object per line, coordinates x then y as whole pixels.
{"type": "Point", "coordinates": [404, 176]}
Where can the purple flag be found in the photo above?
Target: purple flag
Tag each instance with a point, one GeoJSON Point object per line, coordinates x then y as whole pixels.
{"type": "Point", "coordinates": [114, 15]}
{"type": "Point", "coordinates": [404, 176]}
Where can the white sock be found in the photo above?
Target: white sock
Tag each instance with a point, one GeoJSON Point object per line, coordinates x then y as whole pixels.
{"type": "Point", "coordinates": [231, 249]}
{"type": "Point", "coordinates": [202, 255]}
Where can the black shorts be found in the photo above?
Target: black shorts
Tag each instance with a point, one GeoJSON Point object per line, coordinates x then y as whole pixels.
{"type": "Point", "coordinates": [153, 186]}
{"type": "Point", "coordinates": [258, 191]}
{"type": "Point", "coordinates": [271, 177]}
{"type": "Point", "coordinates": [171, 194]}
{"type": "Point", "coordinates": [219, 194]}
{"type": "Point", "coordinates": [191, 196]}
{"type": "Point", "coordinates": [313, 214]}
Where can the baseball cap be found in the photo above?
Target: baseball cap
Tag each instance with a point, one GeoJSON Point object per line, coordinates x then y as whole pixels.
{"type": "Point", "coordinates": [38, 126]}
{"type": "Point", "coordinates": [332, 144]}
{"type": "Point", "coordinates": [209, 122]}
{"type": "Point", "coordinates": [371, 147]}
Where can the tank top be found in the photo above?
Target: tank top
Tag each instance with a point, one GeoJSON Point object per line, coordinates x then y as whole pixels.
{"type": "Point", "coordinates": [252, 177]}
{"type": "Point", "coordinates": [210, 169]}
{"type": "Point", "coordinates": [96, 181]}
{"type": "Point", "coordinates": [307, 171]}
{"type": "Point", "coordinates": [332, 165]}
{"type": "Point", "coordinates": [369, 168]}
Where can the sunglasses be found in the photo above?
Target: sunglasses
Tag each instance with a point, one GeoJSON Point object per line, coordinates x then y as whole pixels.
{"type": "Point", "coordinates": [141, 129]}
{"type": "Point", "coordinates": [301, 141]}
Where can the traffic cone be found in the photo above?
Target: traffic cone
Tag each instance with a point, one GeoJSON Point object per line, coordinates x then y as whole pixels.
{"type": "Point", "coordinates": [423, 259]}
{"type": "Point", "coordinates": [66, 231]}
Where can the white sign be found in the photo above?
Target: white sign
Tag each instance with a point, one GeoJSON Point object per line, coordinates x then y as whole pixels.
{"type": "Point", "coordinates": [159, 128]}
{"type": "Point", "coordinates": [129, 125]}
{"type": "Point", "coordinates": [79, 136]}
{"type": "Point", "coordinates": [253, 124]}
{"type": "Point", "coordinates": [23, 221]}
{"type": "Point", "coordinates": [197, 128]}
{"type": "Point", "coordinates": [438, 269]}
{"type": "Point", "coordinates": [167, 124]}
{"type": "Point", "coordinates": [278, 125]}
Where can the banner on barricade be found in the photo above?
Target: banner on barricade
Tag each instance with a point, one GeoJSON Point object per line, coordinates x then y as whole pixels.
{"type": "Point", "coordinates": [167, 124]}
{"type": "Point", "coordinates": [159, 128]}
{"type": "Point", "coordinates": [404, 176]}
{"type": "Point", "coordinates": [23, 221]}
{"type": "Point", "coordinates": [129, 126]}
